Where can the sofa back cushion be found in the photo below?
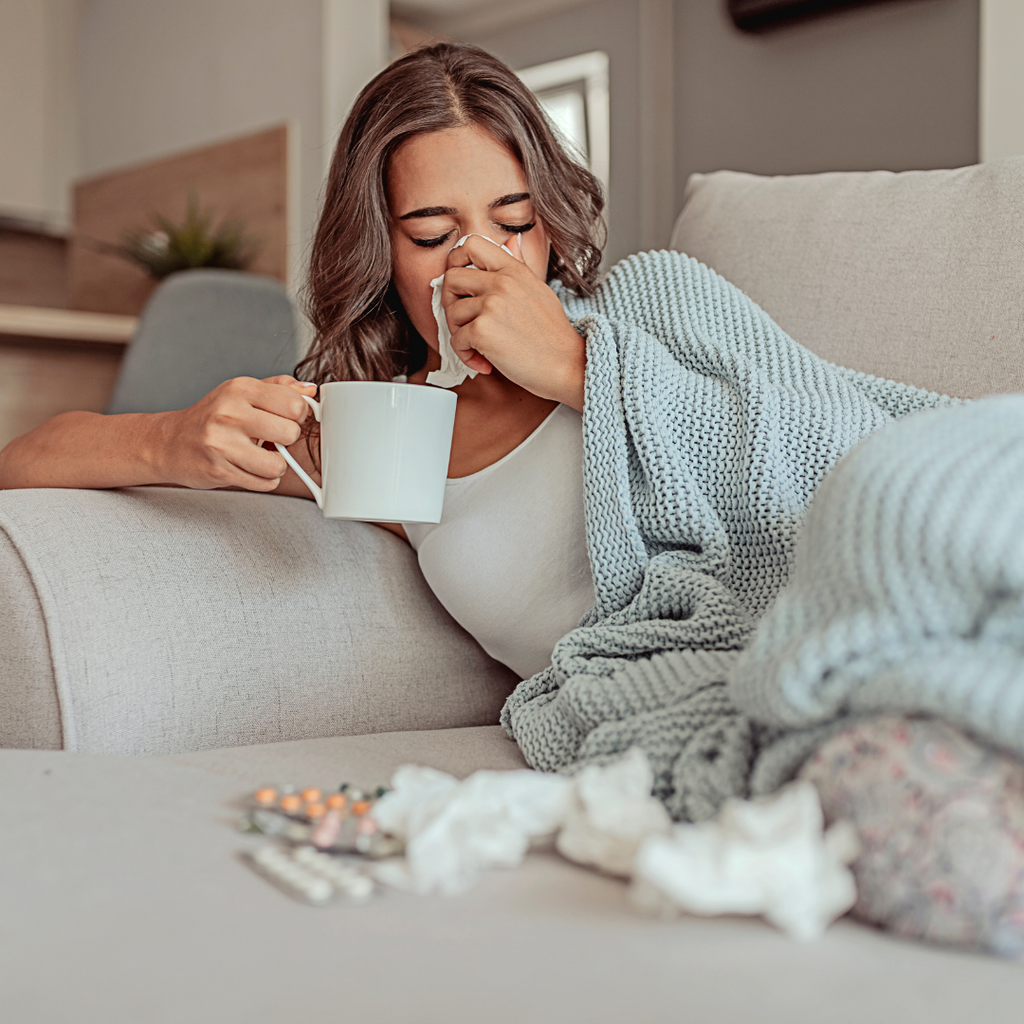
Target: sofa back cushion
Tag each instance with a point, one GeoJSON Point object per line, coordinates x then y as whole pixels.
{"type": "Point", "coordinates": [917, 276]}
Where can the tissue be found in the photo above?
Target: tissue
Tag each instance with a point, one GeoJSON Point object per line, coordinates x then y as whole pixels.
{"type": "Point", "coordinates": [453, 830]}
{"type": "Point", "coordinates": [611, 812]}
{"type": "Point", "coordinates": [453, 370]}
{"type": "Point", "coordinates": [769, 857]}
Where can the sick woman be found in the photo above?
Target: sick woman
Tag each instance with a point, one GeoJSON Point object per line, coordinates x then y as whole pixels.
{"type": "Point", "coordinates": [628, 521]}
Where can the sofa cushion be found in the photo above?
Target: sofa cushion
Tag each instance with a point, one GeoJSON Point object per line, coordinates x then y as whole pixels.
{"type": "Point", "coordinates": [125, 901]}
{"type": "Point", "coordinates": [162, 619]}
{"type": "Point", "coordinates": [365, 761]}
{"type": "Point", "coordinates": [917, 276]}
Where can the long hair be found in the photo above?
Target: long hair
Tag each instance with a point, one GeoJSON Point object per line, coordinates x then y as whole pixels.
{"type": "Point", "coordinates": [362, 332]}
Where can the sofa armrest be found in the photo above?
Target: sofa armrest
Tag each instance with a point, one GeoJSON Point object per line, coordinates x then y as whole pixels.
{"type": "Point", "coordinates": [158, 620]}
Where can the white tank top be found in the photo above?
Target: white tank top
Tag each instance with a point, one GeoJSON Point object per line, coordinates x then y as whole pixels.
{"type": "Point", "coordinates": [509, 557]}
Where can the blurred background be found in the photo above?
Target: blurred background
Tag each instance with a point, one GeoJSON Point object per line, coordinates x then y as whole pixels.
{"type": "Point", "coordinates": [139, 136]}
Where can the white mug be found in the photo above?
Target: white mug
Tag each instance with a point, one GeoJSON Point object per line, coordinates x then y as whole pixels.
{"type": "Point", "coordinates": [384, 450]}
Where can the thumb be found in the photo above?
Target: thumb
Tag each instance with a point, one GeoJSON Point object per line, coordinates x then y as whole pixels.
{"type": "Point", "coordinates": [516, 248]}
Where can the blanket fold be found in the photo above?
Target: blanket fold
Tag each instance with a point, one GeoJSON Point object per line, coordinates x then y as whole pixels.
{"type": "Point", "coordinates": [707, 430]}
{"type": "Point", "coordinates": [907, 592]}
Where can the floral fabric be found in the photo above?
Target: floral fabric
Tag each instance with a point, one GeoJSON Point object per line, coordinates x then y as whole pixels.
{"type": "Point", "coordinates": [941, 823]}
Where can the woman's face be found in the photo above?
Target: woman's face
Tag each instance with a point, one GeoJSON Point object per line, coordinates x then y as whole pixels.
{"type": "Point", "coordinates": [444, 185]}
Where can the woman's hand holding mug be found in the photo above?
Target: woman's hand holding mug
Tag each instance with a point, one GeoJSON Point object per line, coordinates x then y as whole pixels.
{"type": "Point", "coordinates": [214, 443]}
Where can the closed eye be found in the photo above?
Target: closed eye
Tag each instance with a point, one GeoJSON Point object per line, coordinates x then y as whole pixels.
{"type": "Point", "coordinates": [432, 243]}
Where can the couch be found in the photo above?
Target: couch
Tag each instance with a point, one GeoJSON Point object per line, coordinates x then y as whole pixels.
{"type": "Point", "coordinates": [243, 637]}
{"type": "Point", "coordinates": [161, 620]}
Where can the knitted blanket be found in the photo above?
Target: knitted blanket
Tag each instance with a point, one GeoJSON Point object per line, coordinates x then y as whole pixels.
{"type": "Point", "coordinates": [907, 590]}
{"type": "Point", "coordinates": [706, 431]}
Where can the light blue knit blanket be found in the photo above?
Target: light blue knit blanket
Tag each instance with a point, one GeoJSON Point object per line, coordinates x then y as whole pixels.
{"type": "Point", "coordinates": [707, 430]}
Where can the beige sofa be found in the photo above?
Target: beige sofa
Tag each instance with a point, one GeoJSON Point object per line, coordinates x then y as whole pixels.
{"type": "Point", "coordinates": [153, 621]}
{"type": "Point", "coordinates": [242, 638]}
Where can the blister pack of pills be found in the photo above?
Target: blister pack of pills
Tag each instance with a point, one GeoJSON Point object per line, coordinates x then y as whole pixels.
{"type": "Point", "coordinates": [320, 838]}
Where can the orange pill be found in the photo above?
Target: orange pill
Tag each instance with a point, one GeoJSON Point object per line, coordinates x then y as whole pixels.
{"type": "Point", "coordinates": [336, 801]}
{"type": "Point", "coordinates": [315, 810]}
{"type": "Point", "coordinates": [311, 795]}
{"type": "Point", "coordinates": [266, 796]}
{"type": "Point", "coordinates": [360, 806]}
{"type": "Point", "coordinates": [291, 803]}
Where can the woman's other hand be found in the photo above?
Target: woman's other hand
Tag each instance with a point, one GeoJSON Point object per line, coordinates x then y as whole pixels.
{"type": "Point", "coordinates": [502, 315]}
{"type": "Point", "coordinates": [212, 444]}
{"type": "Point", "coordinates": [216, 442]}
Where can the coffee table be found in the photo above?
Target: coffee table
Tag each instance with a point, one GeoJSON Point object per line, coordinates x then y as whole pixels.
{"type": "Point", "coordinates": [123, 899]}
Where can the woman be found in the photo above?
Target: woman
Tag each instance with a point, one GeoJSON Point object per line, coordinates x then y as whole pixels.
{"type": "Point", "coordinates": [447, 143]}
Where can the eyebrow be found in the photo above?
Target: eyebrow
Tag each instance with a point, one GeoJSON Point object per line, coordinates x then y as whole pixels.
{"type": "Point", "coordinates": [449, 211]}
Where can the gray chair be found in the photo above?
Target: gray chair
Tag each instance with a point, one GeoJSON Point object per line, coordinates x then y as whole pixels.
{"type": "Point", "coordinates": [202, 327]}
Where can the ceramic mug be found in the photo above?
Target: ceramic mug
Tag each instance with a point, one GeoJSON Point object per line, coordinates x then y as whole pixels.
{"type": "Point", "coordinates": [384, 450]}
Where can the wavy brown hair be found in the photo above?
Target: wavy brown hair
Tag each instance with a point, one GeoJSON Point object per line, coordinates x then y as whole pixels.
{"type": "Point", "coordinates": [362, 332]}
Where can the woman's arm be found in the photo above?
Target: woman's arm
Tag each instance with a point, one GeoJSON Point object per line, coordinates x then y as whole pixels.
{"type": "Point", "coordinates": [209, 445]}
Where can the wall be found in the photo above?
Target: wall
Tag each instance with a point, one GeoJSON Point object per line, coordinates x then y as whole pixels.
{"type": "Point", "coordinates": [890, 87]}
{"type": "Point", "coordinates": [37, 138]}
{"type": "Point", "coordinates": [615, 27]}
{"type": "Point", "coordinates": [156, 78]}
{"type": "Point", "coordinates": [1002, 78]}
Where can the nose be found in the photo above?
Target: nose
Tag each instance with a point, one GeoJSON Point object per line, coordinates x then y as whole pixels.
{"type": "Point", "coordinates": [482, 225]}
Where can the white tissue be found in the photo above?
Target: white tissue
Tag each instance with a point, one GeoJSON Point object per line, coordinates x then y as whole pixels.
{"type": "Point", "coordinates": [452, 829]}
{"type": "Point", "coordinates": [453, 370]}
{"type": "Point", "coordinates": [611, 813]}
{"type": "Point", "coordinates": [768, 857]}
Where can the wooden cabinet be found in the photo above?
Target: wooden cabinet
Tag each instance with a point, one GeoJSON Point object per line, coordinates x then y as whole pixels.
{"type": "Point", "coordinates": [54, 360]}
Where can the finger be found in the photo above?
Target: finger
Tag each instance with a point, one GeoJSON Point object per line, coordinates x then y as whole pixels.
{"type": "Point", "coordinates": [462, 311]}
{"type": "Point", "coordinates": [482, 253]}
{"type": "Point", "coordinates": [516, 245]}
{"type": "Point", "coordinates": [302, 386]}
{"type": "Point", "coordinates": [462, 345]}
{"type": "Point", "coordinates": [462, 281]}
{"type": "Point", "coordinates": [270, 427]}
{"type": "Point", "coordinates": [257, 462]}
{"type": "Point", "coordinates": [281, 400]}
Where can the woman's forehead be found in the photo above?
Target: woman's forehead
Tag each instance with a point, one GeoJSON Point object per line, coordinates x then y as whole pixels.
{"type": "Point", "coordinates": [453, 167]}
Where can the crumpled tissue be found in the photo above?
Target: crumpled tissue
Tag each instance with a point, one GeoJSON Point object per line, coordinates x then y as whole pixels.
{"type": "Point", "coordinates": [453, 370]}
{"type": "Point", "coordinates": [611, 813]}
{"type": "Point", "coordinates": [452, 830]}
{"type": "Point", "coordinates": [768, 857]}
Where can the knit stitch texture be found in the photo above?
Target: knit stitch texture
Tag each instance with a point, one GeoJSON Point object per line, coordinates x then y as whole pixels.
{"type": "Point", "coordinates": [706, 431]}
{"type": "Point", "coordinates": [907, 591]}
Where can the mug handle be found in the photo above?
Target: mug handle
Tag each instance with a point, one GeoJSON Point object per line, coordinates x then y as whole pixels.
{"type": "Point", "coordinates": [315, 490]}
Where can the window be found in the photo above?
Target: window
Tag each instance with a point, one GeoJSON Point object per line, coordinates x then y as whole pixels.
{"type": "Point", "coordinates": [574, 93]}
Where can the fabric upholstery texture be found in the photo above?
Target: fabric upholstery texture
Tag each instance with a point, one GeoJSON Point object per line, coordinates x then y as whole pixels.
{"type": "Point", "coordinates": [29, 712]}
{"type": "Point", "coordinates": [200, 328]}
{"type": "Point", "coordinates": [125, 902]}
{"type": "Point", "coordinates": [180, 620]}
{"type": "Point", "coordinates": [371, 759]}
{"type": "Point", "coordinates": [913, 276]}
{"type": "Point", "coordinates": [706, 430]}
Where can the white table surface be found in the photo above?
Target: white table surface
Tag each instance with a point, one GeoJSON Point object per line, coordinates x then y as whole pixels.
{"type": "Point", "coordinates": [122, 900]}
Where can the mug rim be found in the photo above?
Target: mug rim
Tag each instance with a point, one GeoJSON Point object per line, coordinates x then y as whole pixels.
{"type": "Point", "coordinates": [425, 388]}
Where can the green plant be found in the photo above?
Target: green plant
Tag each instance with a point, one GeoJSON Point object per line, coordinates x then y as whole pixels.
{"type": "Point", "coordinates": [195, 242]}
